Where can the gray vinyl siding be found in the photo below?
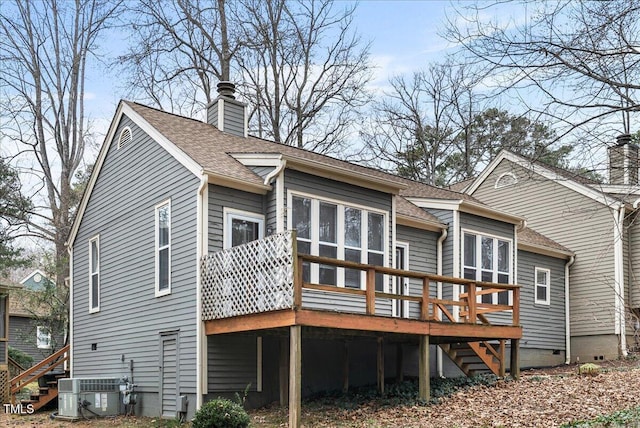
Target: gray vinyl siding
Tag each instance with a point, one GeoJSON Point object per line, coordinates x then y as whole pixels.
{"type": "Point", "coordinates": [121, 210]}
{"type": "Point", "coordinates": [446, 217]}
{"type": "Point", "coordinates": [270, 202]}
{"type": "Point", "coordinates": [224, 197]}
{"type": "Point", "coordinates": [543, 325]}
{"type": "Point", "coordinates": [634, 257]}
{"type": "Point", "coordinates": [233, 116]}
{"type": "Point", "coordinates": [576, 221]}
{"type": "Point", "coordinates": [232, 362]}
{"type": "Point", "coordinates": [423, 257]}
{"type": "Point", "coordinates": [22, 336]}
{"type": "Point", "coordinates": [348, 194]}
{"type": "Point", "coordinates": [262, 171]}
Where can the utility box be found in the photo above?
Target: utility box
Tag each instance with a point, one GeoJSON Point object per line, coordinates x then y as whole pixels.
{"type": "Point", "coordinates": [80, 397]}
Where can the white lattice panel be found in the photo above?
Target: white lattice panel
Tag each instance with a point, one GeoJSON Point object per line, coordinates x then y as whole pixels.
{"type": "Point", "coordinates": [248, 279]}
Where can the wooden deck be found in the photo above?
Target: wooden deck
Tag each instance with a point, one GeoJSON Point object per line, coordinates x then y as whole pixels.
{"type": "Point", "coordinates": [231, 303]}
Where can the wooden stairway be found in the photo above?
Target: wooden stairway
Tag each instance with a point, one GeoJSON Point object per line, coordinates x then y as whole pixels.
{"type": "Point", "coordinates": [43, 369]}
{"type": "Point", "coordinates": [477, 357]}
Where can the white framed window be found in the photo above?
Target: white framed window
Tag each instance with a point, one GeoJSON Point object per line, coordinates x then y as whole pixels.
{"type": "Point", "coordinates": [506, 179]}
{"type": "Point", "coordinates": [163, 248]}
{"type": "Point", "coordinates": [241, 227]}
{"type": "Point", "coordinates": [543, 286]}
{"type": "Point", "coordinates": [43, 337]}
{"type": "Point", "coordinates": [94, 274]}
{"type": "Point", "coordinates": [489, 259]}
{"type": "Point", "coordinates": [125, 138]}
{"type": "Point", "coordinates": [334, 229]}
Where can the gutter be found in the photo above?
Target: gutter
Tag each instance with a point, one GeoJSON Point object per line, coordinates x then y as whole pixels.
{"type": "Point", "coordinates": [567, 317]}
{"type": "Point", "coordinates": [441, 239]}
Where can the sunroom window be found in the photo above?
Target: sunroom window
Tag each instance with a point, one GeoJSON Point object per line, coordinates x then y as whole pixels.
{"type": "Point", "coordinates": [488, 259]}
{"type": "Point", "coordinates": [338, 231]}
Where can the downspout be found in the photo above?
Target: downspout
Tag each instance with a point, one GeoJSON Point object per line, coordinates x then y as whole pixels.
{"type": "Point", "coordinates": [70, 360]}
{"type": "Point", "coordinates": [277, 173]}
{"type": "Point", "coordinates": [277, 170]}
{"type": "Point", "coordinates": [567, 318]}
{"type": "Point", "coordinates": [441, 239]}
{"type": "Point", "coordinates": [200, 251]}
{"type": "Point", "coordinates": [636, 204]}
{"type": "Point", "coordinates": [619, 277]}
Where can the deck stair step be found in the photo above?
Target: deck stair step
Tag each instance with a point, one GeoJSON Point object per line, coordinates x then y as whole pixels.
{"type": "Point", "coordinates": [473, 357]}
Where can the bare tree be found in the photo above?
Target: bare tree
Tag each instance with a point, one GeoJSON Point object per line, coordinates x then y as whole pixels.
{"type": "Point", "coordinates": [580, 58]}
{"type": "Point", "coordinates": [305, 71]}
{"type": "Point", "coordinates": [297, 63]}
{"type": "Point", "coordinates": [45, 48]}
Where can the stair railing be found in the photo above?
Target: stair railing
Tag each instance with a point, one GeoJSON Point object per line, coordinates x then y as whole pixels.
{"type": "Point", "coordinates": [36, 372]}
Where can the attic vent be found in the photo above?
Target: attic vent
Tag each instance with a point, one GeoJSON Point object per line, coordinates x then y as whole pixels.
{"type": "Point", "coordinates": [506, 179]}
{"type": "Point", "coordinates": [125, 138]}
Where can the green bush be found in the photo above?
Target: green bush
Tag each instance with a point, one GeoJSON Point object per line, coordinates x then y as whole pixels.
{"type": "Point", "coordinates": [221, 413]}
{"type": "Point", "coordinates": [20, 357]}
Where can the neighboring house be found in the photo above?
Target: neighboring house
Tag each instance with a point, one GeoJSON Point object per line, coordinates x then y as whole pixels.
{"type": "Point", "coordinates": [4, 343]}
{"type": "Point", "coordinates": [599, 223]}
{"type": "Point", "coordinates": [185, 275]}
{"type": "Point", "coordinates": [28, 334]}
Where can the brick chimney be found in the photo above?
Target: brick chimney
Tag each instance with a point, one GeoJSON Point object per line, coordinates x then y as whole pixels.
{"type": "Point", "coordinates": [624, 162]}
{"type": "Point", "coordinates": [226, 113]}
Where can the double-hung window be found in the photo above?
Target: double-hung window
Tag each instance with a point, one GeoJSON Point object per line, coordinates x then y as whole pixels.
{"type": "Point", "coordinates": [94, 274]}
{"type": "Point", "coordinates": [163, 248]}
{"type": "Point", "coordinates": [488, 259]}
{"type": "Point", "coordinates": [338, 231]}
{"type": "Point", "coordinates": [543, 286]}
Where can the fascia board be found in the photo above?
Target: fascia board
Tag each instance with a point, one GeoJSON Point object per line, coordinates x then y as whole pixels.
{"type": "Point", "coordinates": [416, 223]}
{"type": "Point", "coordinates": [545, 251]}
{"type": "Point", "coordinates": [438, 204]}
{"type": "Point", "coordinates": [468, 207]}
{"type": "Point", "coordinates": [343, 174]}
{"type": "Point", "coordinates": [172, 149]}
{"type": "Point", "coordinates": [257, 159]}
{"type": "Point", "coordinates": [233, 183]}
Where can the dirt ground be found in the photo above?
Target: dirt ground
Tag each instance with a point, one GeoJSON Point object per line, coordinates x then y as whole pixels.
{"type": "Point", "coordinates": [542, 398]}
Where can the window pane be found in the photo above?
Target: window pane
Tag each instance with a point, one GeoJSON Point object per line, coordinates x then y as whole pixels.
{"type": "Point", "coordinates": [243, 231]}
{"type": "Point", "coordinates": [352, 276]}
{"type": "Point", "coordinates": [328, 222]}
{"type": "Point", "coordinates": [487, 253]}
{"type": "Point", "coordinates": [163, 226]}
{"type": "Point", "coordinates": [541, 293]}
{"type": "Point", "coordinates": [469, 250]}
{"type": "Point", "coordinates": [302, 216]}
{"type": "Point", "coordinates": [376, 232]}
{"type": "Point", "coordinates": [487, 276]}
{"type": "Point", "coordinates": [503, 256]}
{"type": "Point", "coordinates": [328, 273]}
{"type": "Point", "coordinates": [305, 248]}
{"type": "Point", "coordinates": [469, 273]}
{"type": "Point", "coordinates": [352, 227]}
{"type": "Point", "coordinates": [503, 278]}
{"type": "Point", "coordinates": [163, 269]}
{"type": "Point", "coordinates": [541, 277]}
{"type": "Point", "coordinates": [94, 290]}
{"type": "Point", "coordinates": [95, 259]}
{"type": "Point", "coordinates": [487, 298]}
{"type": "Point", "coordinates": [503, 298]}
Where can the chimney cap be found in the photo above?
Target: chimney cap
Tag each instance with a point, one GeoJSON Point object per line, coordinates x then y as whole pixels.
{"type": "Point", "coordinates": [623, 139]}
{"type": "Point", "coordinates": [226, 90]}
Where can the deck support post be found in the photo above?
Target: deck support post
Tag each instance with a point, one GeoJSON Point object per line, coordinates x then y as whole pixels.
{"type": "Point", "coordinates": [345, 367]}
{"type": "Point", "coordinates": [503, 358]}
{"type": "Point", "coordinates": [284, 371]}
{"type": "Point", "coordinates": [399, 363]}
{"type": "Point", "coordinates": [295, 375]}
{"type": "Point", "coordinates": [423, 368]}
{"type": "Point", "coordinates": [380, 365]}
{"type": "Point", "coordinates": [515, 358]}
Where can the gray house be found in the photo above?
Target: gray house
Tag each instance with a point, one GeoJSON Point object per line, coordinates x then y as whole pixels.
{"type": "Point", "coordinates": [205, 262]}
{"type": "Point", "coordinates": [599, 222]}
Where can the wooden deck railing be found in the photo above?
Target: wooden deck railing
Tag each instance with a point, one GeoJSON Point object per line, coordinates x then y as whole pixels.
{"type": "Point", "coordinates": [470, 309]}
{"type": "Point", "coordinates": [267, 275]}
{"type": "Point", "coordinates": [36, 372]}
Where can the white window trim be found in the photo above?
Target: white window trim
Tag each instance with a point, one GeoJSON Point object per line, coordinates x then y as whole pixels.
{"type": "Point", "coordinates": [315, 233]}
{"type": "Point", "coordinates": [125, 129]}
{"type": "Point", "coordinates": [478, 269]}
{"type": "Point", "coordinates": [40, 334]}
{"type": "Point", "coordinates": [547, 286]}
{"type": "Point", "coordinates": [158, 292]}
{"type": "Point", "coordinates": [405, 281]}
{"type": "Point", "coordinates": [91, 273]}
{"type": "Point", "coordinates": [231, 214]}
{"type": "Point", "coordinates": [500, 180]}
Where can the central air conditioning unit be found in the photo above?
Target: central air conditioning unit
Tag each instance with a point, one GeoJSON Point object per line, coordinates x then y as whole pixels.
{"type": "Point", "coordinates": [87, 398]}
